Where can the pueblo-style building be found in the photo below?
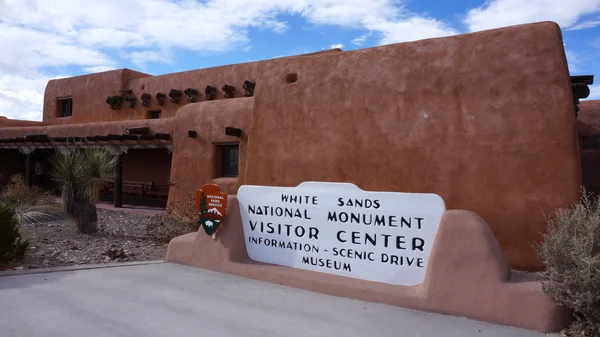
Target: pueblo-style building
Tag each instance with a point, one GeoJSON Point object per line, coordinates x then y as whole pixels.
{"type": "Point", "coordinates": [487, 120]}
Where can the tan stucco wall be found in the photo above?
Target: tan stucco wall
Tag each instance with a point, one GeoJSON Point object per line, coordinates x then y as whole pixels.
{"type": "Point", "coordinates": [89, 93]}
{"type": "Point", "coordinates": [147, 165]}
{"type": "Point", "coordinates": [485, 120]}
{"type": "Point", "coordinates": [196, 160]}
{"type": "Point", "coordinates": [589, 117]}
{"type": "Point", "coordinates": [6, 122]}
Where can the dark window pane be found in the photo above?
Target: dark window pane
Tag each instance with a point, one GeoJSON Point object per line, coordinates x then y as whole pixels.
{"type": "Point", "coordinates": [65, 107]}
{"type": "Point", "coordinates": [229, 160]}
{"type": "Point", "coordinates": [155, 114]}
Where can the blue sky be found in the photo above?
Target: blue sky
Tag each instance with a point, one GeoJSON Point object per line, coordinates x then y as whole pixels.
{"type": "Point", "coordinates": [46, 39]}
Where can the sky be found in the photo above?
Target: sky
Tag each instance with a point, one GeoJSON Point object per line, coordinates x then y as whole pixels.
{"type": "Point", "coordinates": [42, 40]}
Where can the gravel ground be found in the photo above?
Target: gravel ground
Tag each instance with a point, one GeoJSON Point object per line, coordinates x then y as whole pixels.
{"type": "Point", "coordinates": [121, 237]}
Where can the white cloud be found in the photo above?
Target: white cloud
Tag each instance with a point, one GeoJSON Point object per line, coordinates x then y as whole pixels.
{"type": "Point", "coordinates": [38, 35]}
{"type": "Point", "coordinates": [97, 69]}
{"type": "Point", "coordinates": [142, 58]}
{"type": "Point", "coordinates": [500, 13]}
{"type": "Point", "coordinates": [586, 24]}
{"type": "Point", "coordinates": [360, 40]}
{"type": "Point", "coordinates": [336, 46]}
{"type": "Point", "coordinates": [411, 29]}
{"type": "Point", "coordinates": [21, 97]}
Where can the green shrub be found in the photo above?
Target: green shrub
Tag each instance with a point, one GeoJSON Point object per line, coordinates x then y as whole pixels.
{"type": "Point", "coordinates": [571, 254]}
{"type": "Point", "coordinates": [11, 246]}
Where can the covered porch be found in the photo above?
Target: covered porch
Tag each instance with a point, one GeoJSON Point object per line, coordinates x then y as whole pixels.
{"type": "Point", "coordinates": [141, 176]}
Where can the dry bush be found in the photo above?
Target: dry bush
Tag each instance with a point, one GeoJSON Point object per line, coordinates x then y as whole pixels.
{"type": "Point", "coordinates": [571, 254]}
{"type": "Point", "coordinates": [178, 219]}
{"type": "Point", "coordinates": [17, 192]}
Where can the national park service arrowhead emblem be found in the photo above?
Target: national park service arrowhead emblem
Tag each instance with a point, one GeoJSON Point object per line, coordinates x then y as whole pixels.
{"type": "Point", "coordinates": [211, 205]}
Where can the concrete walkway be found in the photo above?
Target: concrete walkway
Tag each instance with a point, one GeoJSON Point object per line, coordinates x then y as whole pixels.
{"type": "Point", "coordinates": [173, 300]}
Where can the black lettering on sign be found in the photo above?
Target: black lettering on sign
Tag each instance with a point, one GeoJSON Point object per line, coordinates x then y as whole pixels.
{"type": "Point", "coordinates": [339, 236]}
{"type": "Point", "coordinates": [354, 254]}
{"type": "Point", "coordinates": [299, 199]}
{"type": "Point", "coordinates": [402, 260]}
{"type": "Point", "coordinates": [284, 244]}
{"type": "Point", "coordinates": [327, 263]}
{"type": "Point", "coordinates": [371, 239]}
{"type": "Point", "coordinates": [283, 229]}
{"type": "Point", "coordinates": [363, 203]}
{"type": "Point", "coordinates": [279, 211]}
{"type": "Point", "coordinates": [400, 242]}
{"type": "Point", "coordinates": [363, 219]}
{"type": "Point", "coordinates": [418, 243]}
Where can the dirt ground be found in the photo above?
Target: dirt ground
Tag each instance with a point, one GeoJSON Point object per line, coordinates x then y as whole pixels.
{"type": "Point", "coordinates": [121, 237]}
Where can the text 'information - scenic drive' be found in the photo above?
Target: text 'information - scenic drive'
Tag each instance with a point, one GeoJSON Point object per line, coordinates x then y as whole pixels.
{"type": "Point", "coordinates": [340, 229]}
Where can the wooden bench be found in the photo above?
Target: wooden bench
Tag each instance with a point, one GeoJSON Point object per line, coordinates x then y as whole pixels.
{"type": "Point", "coordinates": [141, 190]}
{"type": "Point", "coordinates": [158, 191]}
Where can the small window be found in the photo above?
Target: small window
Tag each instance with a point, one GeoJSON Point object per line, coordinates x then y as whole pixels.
{"type": "Point", "coordinates": [155, 114]}
{"type": "Point", "coordinates": [229, 160]}
{"type": "Point", "coordinates": [65, 107]}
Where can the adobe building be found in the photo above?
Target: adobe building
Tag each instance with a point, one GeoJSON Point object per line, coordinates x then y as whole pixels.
{"type": "Point", "coordinates": [486, 120]}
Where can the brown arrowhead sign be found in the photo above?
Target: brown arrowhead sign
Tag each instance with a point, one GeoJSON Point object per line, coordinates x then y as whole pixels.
{"type": "Point", "coordinates": [211, 205]}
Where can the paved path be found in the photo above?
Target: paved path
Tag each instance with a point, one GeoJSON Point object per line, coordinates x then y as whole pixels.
{"type": "Point", "coordinates": [173, 300]}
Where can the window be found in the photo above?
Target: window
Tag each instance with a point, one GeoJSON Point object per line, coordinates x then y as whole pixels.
{"type": "Point", "coordinates": [154, 114]}
{"type": "Point", "coordinates": [229, 160]}
{"type": "Point", "coordinates": [65, 107]}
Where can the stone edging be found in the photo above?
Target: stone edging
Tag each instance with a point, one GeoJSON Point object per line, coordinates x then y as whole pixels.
{"type": "Point", "coordinates": [76, 267]}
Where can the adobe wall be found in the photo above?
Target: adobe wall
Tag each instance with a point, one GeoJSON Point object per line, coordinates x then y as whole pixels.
{"type": "Point", "coordinates": [196, 161]}
{"type": "Point", "coordinates": [89, 94]}
{"type": "Point", "coordinates": [589, 125]}
{"type": "Point", "coordinates": [147, 165]}
{"type": "Point", "coordinates": [90, 91]}
{"type": "Point", "coordinates": [6, 122]}
{"type": "Point", "coordinates": [481, 119]}
{"type": "Point", "coordinates": [198, 79]}
{"type": "Point", "coordinates": [89, 129]}
{"type": "Point", "coordinates": [589, 118]}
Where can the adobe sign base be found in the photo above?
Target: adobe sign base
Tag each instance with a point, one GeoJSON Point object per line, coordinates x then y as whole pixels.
{"type": "Point", "coordinates": [467, 274]}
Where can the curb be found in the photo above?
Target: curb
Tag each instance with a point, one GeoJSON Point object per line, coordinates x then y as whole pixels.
{"type": "Point", "coordinates": [77, 267]}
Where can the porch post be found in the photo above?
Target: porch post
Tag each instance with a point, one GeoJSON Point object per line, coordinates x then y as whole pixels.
{"type": "Point", "coordinates": [118, 182]}
{"type": "Point", "coordinates": [29, 169]}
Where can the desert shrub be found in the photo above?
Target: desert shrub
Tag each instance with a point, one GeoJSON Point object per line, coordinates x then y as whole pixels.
{"type": "Point", "coordinates": [36, 213]}
{"type": "Point", "coordinates": [79, 174]}
{"type": "Point", "coordinates": [571, 253]}
{"type": "Point", "coordinates": [178, 219]}
{"type": "Point", "coordinates": [16, 191]}
{"type": "Point", "coordinates": [11, 246]}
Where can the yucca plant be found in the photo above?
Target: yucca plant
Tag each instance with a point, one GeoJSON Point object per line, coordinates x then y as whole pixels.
{"type": "Point", "coordinates": [26, 213]}
{"type": "Point", "coordinates": [79, 174]}
{"type": "Point", "coordinates": [12, 247]}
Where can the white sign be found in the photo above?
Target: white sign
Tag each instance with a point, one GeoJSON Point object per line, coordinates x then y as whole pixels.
{"type": "Point", "coordinates": [340, 229]}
